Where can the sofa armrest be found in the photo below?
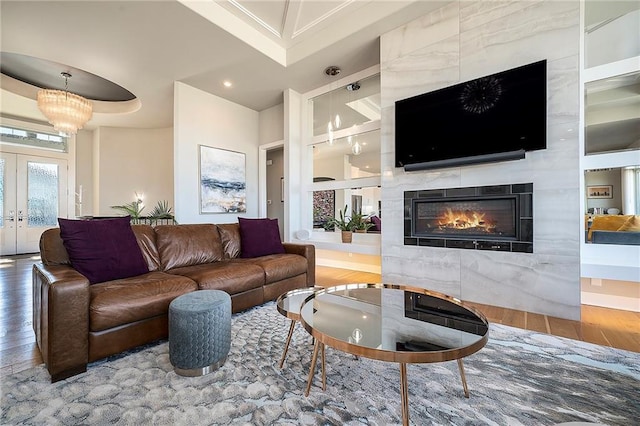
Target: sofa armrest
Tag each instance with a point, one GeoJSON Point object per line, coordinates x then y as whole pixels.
{"type": "Point", "coordinates": [309, 252]}
{"type": "Point", "coordinates": [61, 319]}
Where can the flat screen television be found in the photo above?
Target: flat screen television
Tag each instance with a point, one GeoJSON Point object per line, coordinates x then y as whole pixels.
{"type": "Point", "coordinates": [494, 118]}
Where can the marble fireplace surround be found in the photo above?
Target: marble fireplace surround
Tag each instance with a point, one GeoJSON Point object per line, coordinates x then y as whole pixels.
{"type": "Point", "coordinates": [456, 43]}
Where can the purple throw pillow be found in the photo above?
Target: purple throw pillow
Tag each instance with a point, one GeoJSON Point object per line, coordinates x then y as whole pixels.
{"type": "Point", "coordinates": [377, 223]}
{"type": "Point", "coordinates": [259, 237]}
{"type": "Point", "coordinates": [104, 249]}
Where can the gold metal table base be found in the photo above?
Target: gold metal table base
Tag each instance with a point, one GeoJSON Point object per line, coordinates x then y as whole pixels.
{"type": "Point", "coordinates": [464, 380]}
{"type": "Point", "coordinates": [404, 394]}
{"type": "Point", "coordinates": [286, 345]}
{"type": "Point", "coordinates": [317, 347]}
{"type": "Point", "coordinates": [404, 384]}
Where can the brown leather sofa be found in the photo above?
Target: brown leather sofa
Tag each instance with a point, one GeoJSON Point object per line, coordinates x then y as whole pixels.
{"type": "Point", "coordinates": [76, 323]}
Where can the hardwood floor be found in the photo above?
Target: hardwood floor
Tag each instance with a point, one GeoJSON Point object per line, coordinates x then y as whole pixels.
{"type": "Point", "coordinates": [18, 350]}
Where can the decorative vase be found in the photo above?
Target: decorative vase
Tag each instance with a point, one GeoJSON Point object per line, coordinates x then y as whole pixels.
{"type": "Point", "coordinates": [347, 236]}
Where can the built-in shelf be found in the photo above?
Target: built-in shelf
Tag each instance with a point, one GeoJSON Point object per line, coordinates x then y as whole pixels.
{"type": "Point", "coordinates": [610, 101]}
{"type": "Point", "coordinates": [362, 243]}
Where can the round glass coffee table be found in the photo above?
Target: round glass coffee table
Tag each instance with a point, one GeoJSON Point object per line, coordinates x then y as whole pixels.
{"type": "Point", "coordinates": [288, 304]}
{"type": "Point", "coordinates": [393, 323]}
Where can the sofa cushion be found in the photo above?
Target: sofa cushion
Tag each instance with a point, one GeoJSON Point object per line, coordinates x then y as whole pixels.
{"type": "Point", "coordinates": [124, 301]}
{"type": "Point", "coordinates": [631, 224]}
{"type": "Point", "coordinates": [229, 276]}
{"type": "Point", "coordinates": [186, 245]}
{"type": "Point", "coordinates": [606, 223]}
{"type": "Point", "coordinates": [146, 237]}
{"type": "Point", "coordinates": [259, 237]}
{"type": "Point", "coordinates": [102, 250]}
{"type": "Point", "coordinates": [279, 266]}
{"type": "Point", "coordinates": [230, 236]}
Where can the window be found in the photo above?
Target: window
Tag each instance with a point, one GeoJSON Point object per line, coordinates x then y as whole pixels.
{"type": "Point", "coordinates": [21, 137]}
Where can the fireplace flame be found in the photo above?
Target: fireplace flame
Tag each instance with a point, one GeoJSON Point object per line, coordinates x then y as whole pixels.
{"type": "Point", "coordinates": [465, 219]}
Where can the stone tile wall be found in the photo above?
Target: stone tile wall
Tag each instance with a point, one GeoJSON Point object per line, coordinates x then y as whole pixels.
{"type": "Point", "coordinates": [463, 41]}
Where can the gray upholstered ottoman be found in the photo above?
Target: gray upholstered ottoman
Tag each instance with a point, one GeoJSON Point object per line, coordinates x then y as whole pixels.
{"type": "Point", "coordinates": [199, 331]}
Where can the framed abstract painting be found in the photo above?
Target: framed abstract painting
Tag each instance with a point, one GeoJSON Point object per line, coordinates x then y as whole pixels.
{"type": "Point", "coordinates": [222, 181]}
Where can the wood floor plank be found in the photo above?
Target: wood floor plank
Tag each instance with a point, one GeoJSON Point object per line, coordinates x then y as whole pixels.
{"type": "Point", "coordinates": [593, 334]}
{"type": "Point", "coordinates": [514, 318]}
{"type": "Point", "coordinates": [537, 322]}
{"type": "Point", "coordinates": [565, 328]}
{"type": "Point", "coordinates": [622, 339]}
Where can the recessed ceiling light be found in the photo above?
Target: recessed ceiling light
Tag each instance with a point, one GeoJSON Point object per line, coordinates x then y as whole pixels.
{"type": "Point", "coordinates": [227, 83]}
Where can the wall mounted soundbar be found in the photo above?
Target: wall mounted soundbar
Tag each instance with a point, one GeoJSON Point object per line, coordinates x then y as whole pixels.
{"type": "Point", "coordinates": [476, 159]}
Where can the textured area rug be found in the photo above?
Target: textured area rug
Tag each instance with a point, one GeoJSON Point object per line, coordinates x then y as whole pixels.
{"type": "Point", "coordinates": [519, 378]}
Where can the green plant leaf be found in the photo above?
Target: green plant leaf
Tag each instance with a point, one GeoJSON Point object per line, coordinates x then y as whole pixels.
{"type": "Point", "coordinates": [133, 209]}
{"type": "Point", "coordinates": [161, 211]}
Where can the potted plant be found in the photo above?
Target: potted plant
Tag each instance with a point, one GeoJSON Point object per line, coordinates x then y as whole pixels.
{"type": "Point", "coordinates": [133, 209]}
{"type": "Point", "coordinates": [345, 224]}
{"type": "Point", "coordinates": [161, 211]}
{"type": "Point", "coordinates": [361, 222]}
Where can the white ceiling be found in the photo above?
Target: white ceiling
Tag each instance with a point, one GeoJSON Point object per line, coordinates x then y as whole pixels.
{"type": "Point", "coordinates": [264, 47]}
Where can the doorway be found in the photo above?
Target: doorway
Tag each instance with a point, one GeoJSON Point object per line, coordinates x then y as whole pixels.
{"type": "Point", "coordinates": [33, 194]}
{"type": "Point", "coordinates": [275, 187]}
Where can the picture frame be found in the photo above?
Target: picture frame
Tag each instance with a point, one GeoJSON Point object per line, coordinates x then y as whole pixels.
{"type": "Point", "coordinates": [600, 191]}
{"type": "Point", "coordinates": [222, 180]}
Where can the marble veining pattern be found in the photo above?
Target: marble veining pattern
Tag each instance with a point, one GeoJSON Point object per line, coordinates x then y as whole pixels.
{"type": "Point", "coordinates": [432, 28]}
{"type": "Point", "coordinates": [563, 91]}
{"type": "Point", "coordinates": [535, 283]}
{"type": "Point", "coordinates": [478, 13]}
{"type": "Point", "coordinates": [548, 30]}
{"type": "Point", "coordinates": [424, 70]}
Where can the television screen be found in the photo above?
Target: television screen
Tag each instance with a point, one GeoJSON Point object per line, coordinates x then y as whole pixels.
{"type": "Point", "coordinates": [475, 121]}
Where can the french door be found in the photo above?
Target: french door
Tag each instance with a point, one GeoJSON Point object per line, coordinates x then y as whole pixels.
{"type": "Point", "coordinates": [33, 194]}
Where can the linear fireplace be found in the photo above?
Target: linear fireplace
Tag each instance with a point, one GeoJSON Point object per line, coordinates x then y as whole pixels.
{"type": "Point", "coordinates": [498, 217]}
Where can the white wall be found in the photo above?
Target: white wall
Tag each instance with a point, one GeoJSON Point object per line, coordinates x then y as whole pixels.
{"type": "Point", "coordinates": [293, 170]}
{"type": "Point", "coordinates": [613, 294]}
{"type": "Point", "coordinates": [127, 161]}
{"type": "Point", "coordinates": [272, 124]}
{"type": "Point", "coordinates": [204, 119]}
{"type": "Point", "coordinates": [614, 41]}
{"type": "Point", "coordinates": [84, 171]}
{"type": "Point", "coordinates": [459, 42]}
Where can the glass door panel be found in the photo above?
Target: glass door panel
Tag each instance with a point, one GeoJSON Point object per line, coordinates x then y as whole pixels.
{"type": "Point", "coordinates": [8, 224]}
{"type": "Point", "coordinates": [42, 198]}
{"type": "Point", "coordinates": [43, 181]}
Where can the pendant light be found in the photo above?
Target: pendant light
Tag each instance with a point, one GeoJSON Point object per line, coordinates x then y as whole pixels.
{"type": "Point", "coordinates": [67, 111]}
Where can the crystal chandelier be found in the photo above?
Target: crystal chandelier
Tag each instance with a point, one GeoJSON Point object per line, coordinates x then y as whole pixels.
{"type": "Point", "coordinates": [67, 112]}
